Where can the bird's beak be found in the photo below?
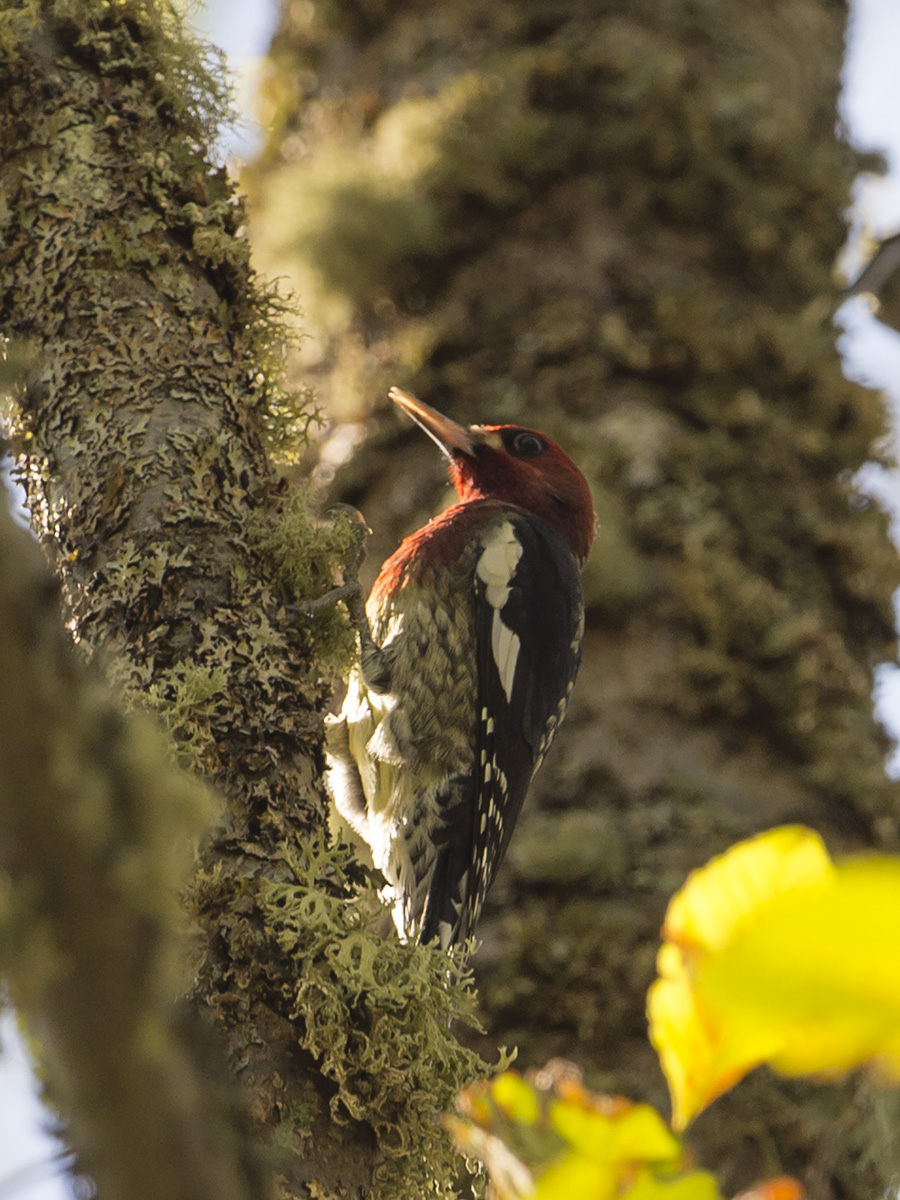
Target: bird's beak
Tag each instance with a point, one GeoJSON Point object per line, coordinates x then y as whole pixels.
{"type": "Point", "coordinates": [448, 435]}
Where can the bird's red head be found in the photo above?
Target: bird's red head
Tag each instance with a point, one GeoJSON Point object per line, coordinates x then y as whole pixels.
{"type": "Point", "coordinates": [520, 466]}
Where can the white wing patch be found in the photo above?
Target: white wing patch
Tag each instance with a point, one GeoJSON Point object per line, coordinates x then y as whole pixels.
{"type": "Point", "coordinates": [498, 563]}
{"type": "Point", "coordinates": [495, 569]}
{"type": "Point", "coordinates": [505, 647]}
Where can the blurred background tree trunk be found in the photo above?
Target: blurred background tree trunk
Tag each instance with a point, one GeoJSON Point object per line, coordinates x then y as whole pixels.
{"type": "Point", "coordinates": [619, 223]}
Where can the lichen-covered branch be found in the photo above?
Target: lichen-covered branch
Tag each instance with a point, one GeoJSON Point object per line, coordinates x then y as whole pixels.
{"type": "Point", "coordinates": [140, 438]}
{"type": "Point", "coordinates": [96, 834]}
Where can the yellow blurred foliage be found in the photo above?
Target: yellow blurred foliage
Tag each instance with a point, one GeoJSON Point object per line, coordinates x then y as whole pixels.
{"type": "Point", "coordinates": [552, 1139]}
{"type": "Point", "coordinates": [774, 954]}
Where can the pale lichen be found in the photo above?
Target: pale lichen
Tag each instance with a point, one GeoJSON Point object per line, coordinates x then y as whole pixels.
{"type": "Point", "coordinates": [375, 1014]}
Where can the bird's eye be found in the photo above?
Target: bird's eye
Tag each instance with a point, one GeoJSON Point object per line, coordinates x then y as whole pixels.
{"type": "Point", "coordinates": [527, 445]}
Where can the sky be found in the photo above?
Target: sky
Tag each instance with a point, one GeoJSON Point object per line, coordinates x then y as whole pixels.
{"type": "Point", "coordinates": [871, 110]}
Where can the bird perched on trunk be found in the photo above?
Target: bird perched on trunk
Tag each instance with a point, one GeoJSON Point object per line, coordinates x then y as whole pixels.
{"type": "Point", "coordinates": [476, 624]}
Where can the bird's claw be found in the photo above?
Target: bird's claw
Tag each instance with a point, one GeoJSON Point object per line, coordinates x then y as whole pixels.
{"type": "Point", "coordinates": [348, 592]}
{"type": "Point", "coordinates": [359, 530]}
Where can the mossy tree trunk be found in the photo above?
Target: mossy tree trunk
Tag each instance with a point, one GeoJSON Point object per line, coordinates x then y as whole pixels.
{"type": "Point", "coordinates": [619, 223]}
{"type": "Point", "coordinates": [140, 437]}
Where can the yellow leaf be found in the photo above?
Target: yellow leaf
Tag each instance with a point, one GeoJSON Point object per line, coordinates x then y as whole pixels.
{"type": "Point", "coordinates": [617, 1150]}
{"type": "Point", "coordinates": [707, 911]}
{"type": "Point", "coordinates": [692, 1185]}
{"type": "Point", "coordinates": [700, 1055]}
{"type": "Point", "coordinates": [553, 1139]}
{"type": "Point", "coordinates": [819, 969]}
{"type": "Point", "coordinates": [516, 1098]}
{"type": "Point", "coordinates": [575, 1177]}
{"type": "Point", "coordinates": [636, 1134]}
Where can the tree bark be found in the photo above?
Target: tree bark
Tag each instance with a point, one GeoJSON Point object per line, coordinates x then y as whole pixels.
{"type": "Point", "coordinates": [140, 437]}
{"type": "Point", "coordinates": [619, 223]}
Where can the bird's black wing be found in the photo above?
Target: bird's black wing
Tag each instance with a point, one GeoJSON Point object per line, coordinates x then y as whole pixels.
{"type": "Point", "coordinates": [529, 625]}
{"type": "Point", "coordinates": [529, 637]}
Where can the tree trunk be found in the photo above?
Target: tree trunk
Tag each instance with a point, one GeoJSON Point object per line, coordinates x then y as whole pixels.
{"type": "Point", "coordinates": [618, 223]}
{"type": "Point", "coordinates": [140, 438]}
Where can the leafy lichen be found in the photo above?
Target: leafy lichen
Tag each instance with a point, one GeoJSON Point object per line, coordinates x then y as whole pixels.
{"type": "Point", "coordinates": [185, 698]}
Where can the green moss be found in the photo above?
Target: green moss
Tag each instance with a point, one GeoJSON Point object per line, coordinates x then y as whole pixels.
{"type": "Point", "coordinates": [17, 23]}
{"type": "Point", "coordinates": [307, 552]}
{"type": "Point", "coordinates": [578, 848]}
{"type": "Point", "coordinates": [287, 410]}
{"type": "Point", "coordinates": [308, 556]}
{"type": "Point", "coordinates": [615, 576]}
{"type": "Point", "coordinates": [190, 93]}
{"type": "Point", "coordinates": [425, 154]}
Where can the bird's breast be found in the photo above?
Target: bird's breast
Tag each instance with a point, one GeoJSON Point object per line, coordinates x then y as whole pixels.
{"type": "Point", "coordinates": [427, 631]}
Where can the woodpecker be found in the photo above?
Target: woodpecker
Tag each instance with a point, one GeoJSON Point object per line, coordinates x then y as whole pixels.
{"type": "Point", "coordinates": [468, 657]}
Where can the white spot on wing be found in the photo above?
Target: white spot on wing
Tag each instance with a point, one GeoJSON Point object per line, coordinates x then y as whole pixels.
{"type": "Point", "coordinates": [496, 568]}
{"type": "Point", "coordinates": [498, 562]}
{"type": "Point", "coordinates": [505, 646]}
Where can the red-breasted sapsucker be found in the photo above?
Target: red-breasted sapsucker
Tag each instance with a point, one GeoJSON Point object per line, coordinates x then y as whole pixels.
{"type": "Point", "coordinates": [476, 630]}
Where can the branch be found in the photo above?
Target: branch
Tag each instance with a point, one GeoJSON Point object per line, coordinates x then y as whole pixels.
{"type": "Point", "coordinates": [96, 830]}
